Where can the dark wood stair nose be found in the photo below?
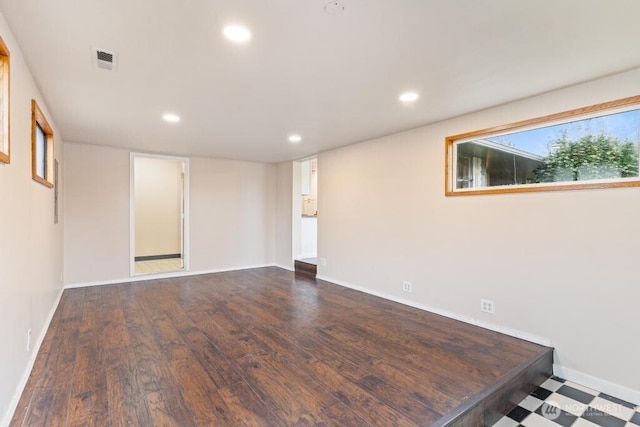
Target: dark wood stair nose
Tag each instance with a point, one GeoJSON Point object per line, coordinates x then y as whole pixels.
{"type": "Point", "coordinates": [307, 267]}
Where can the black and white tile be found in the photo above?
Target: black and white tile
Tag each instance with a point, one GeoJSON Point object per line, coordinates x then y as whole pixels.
{"type": "Point", "coordinates": [562, 403]}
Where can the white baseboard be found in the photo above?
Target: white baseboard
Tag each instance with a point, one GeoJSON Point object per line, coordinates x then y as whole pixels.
{"type": "Point", "coordinates": [598, 384]}
{"type": "Point", "coordinates": [144, 277]}
{"type": "Point", "coordinates": [32, 360]}
{"type": "Point", "coordinates": [284, 267]}
{"type": "Point", "coordinates": [492, 327]}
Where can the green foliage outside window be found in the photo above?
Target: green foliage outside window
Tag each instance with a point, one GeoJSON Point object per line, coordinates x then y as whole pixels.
{"type": "Point", "coordinates": [590, 157]}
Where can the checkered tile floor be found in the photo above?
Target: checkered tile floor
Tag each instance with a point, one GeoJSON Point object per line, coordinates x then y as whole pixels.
{"type": "Point", "coordinates": [560, 402]}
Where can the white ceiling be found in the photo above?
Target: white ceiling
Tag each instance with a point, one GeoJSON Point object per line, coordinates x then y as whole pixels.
{"type": "Point", "coordinates": [333, 79]}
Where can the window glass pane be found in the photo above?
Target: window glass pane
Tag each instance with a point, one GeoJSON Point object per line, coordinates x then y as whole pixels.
{"type": "Point", "coordinates": [41, 152]}
{"type": "Point", "coordinates": [4, 125]}
{"type": "Point", "coordinates": [598, 148]}
{"type": "Point", "coordinates": [3, 147]}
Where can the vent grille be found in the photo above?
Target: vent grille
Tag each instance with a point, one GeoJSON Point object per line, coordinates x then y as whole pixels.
{"type": "Point", "coordinates": [105, 59]}
{"type": "Point", "coordinates": [105, 56]}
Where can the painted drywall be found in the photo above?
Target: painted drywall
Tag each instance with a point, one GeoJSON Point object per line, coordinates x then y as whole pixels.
{"type": "Point", "coordinates": [308, 238]}
{"type": "Point", "coordinates": [157, 206]}
{"type": "Point", "coordinates": [30, 242]}
{"type": "Point", "coordinates": [558, 265]}
{"type": "Point", "coordinates": [233, 207]}
{"type": "Point", "coordinates": [284, 215]}
{"type": "Point", "coordinates": [296, 190]}
{"type": "Point", "coordinates": [96, 235]}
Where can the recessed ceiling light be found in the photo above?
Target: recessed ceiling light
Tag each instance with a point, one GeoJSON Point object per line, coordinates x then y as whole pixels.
{"type": "Point", "coordinates": [409, 97]}
{"type": "Point", "coordinates": [237, 33]}
{"type": "Point", "coordinates": [334, 8]}
{"type": "Point", "coordinates": [295, 138]}
{"type": "Point", "coordinates": [171, 118]}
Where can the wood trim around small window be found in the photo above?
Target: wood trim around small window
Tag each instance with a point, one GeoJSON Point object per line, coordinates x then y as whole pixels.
{"type": "Point", "coordinates": [449, 189]}
{"type": "Point", "coordinates": [38, 119]}
{"type": "Point", "coordinates": [5, 144]}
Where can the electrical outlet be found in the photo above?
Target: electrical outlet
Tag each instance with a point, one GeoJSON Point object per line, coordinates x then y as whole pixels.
{"type": "Point", "coordinates": [29, 341]}
{"type": "Point", "coordinates": [323, 261]}
{"type": "Point", "coordinates": [406, 286]}
{"type": "Point", "coordinates": [487, 306]}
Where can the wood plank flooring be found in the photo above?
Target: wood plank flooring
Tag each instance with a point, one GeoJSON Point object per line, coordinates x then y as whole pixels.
{"type": "Point", "coordinates": [255, 347]}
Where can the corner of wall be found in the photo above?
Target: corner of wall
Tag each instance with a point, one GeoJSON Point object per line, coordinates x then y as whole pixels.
{"type": "Point", "coordinates": [32, 247]}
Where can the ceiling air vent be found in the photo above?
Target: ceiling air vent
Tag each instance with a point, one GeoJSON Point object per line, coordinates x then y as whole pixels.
{"type": "Point", "coordinates": [105, 59]}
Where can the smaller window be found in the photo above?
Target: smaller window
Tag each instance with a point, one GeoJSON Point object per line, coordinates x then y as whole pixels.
{"type": "Point", "coordinates": [4, 103]}
{"type": "Point", "coordinates": [41, 147]}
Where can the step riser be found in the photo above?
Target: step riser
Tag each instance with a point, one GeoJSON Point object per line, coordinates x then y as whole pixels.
{"type": "Point", "coordinates": [305, 268]}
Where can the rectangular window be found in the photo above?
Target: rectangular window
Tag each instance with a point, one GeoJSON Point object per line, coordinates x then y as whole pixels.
{"type": "Point", "coordinates": [41, 152]}
{"type": "Point", "coordinates": [592, 147]}
{"type": "Point", "coordinates": [4, 103]}
{"type": "Point", "coordinates": [41, 147]}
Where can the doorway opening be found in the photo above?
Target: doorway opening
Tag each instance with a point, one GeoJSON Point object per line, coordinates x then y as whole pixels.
{"type": "Point", "coordinates": [159, 214]}
{"type": "Point", "coordinates": [306, 247]}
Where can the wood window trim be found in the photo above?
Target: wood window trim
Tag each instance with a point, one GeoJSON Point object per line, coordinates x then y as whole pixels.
{"type": "Point", "coordinates": [603, 107]}
{"type": "Point", "coordinates": [5, 148]}
{"type": "Point", "coordinates": [38, 119]}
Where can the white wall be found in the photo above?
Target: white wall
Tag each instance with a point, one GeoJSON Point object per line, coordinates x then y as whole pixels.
{"type": "Point", "coordinates": [308, 238]}
{"type": "Point", "coordinates": [232, 214]}
{"type": "Point", "coordinates": [296, 190]}
{"type": "Point", "coordinates": [96, 233]}
{"type": "Point", "coordinates": [233, 208]}
{"type": "Point", "coordinates": [284, 215]}
{"type": "Point", "coordinates": [562, 266]}
{"type": "Point", "coordinates": [30, 243]}
{"type": "Point", "coordinates": [157, 201]}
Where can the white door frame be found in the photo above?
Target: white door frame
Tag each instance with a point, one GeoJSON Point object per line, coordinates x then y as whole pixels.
{"type": "Point", "coordinates": [132, 217]}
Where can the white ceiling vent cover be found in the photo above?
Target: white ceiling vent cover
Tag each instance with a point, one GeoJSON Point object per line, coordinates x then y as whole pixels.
{"type": "Point", "coordinates": [105, 59]}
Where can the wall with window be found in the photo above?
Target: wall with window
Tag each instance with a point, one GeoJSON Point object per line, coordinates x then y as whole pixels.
{"type": "Point", "coordinates": [30, 242]}
{"type": "Point", "coordinates": [560, 266]}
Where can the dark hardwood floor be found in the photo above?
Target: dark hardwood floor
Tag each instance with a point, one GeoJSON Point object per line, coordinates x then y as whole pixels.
{"type": "Point", "coordinates": [257, 347]}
